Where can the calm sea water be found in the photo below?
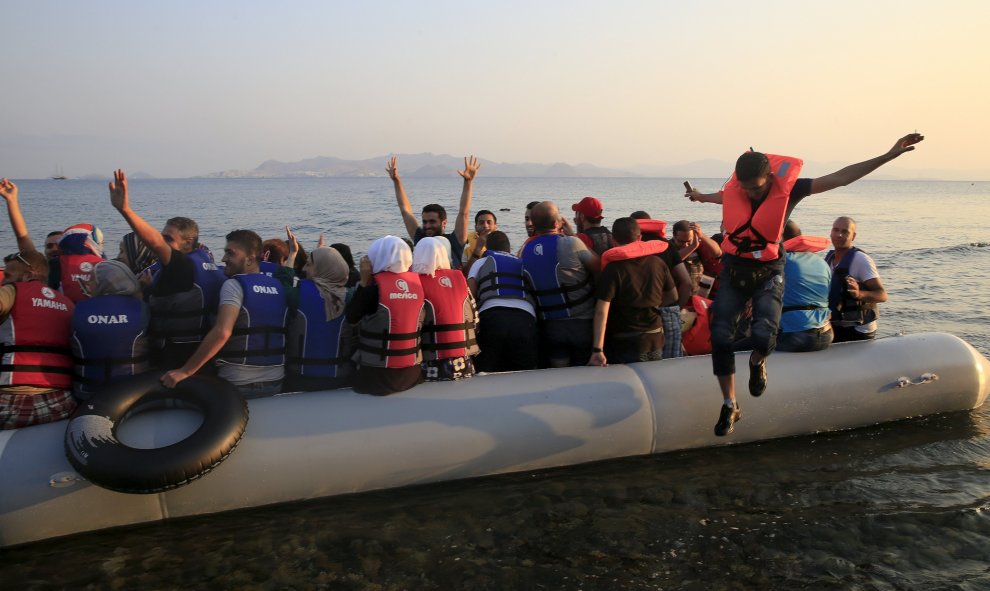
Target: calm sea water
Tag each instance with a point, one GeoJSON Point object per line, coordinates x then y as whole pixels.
{"type": "Point", "coordinates": [897, 506]}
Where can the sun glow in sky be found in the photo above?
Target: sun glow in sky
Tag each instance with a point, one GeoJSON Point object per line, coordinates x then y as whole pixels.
{"type": "Point", "coordinates": [186, 88]}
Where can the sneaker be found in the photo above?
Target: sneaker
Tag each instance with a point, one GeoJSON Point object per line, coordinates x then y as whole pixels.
{"type": "Point", "coordinates": [726, 418]}
{"type": "Point", "coordinates": [758, 378]}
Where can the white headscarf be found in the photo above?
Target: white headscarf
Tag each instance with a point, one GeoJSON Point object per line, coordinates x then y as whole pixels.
{"type": "Point", "coordinates": [429, 256]}
{"type": "Point", "coordinates": [389, 253]}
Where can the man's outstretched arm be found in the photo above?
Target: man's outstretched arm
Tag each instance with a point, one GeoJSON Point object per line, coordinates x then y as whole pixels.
{"type": "Point", "coordinates": [149, 235]}
{"type": "Point", "coordinates": [8, 190]}
{"type": "Point", "coordinates": [471, 166]}
{"type": "Point", "coordinates": [212, 343]}
{"type": "Point", "coordinates": [405, 208]}
{"type": "Point", "coordinates": [854, 172]}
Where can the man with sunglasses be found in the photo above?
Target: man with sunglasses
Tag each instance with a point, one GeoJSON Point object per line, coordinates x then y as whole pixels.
{"type": "Point", "coordinates": [756, 202]}
{"type": "Point", "coordinates": [35, 327]}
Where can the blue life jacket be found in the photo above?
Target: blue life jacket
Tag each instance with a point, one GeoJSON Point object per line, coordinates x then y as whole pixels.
{"type": "Point", "coordinates": [846, 310]}
{"type": "Point", "coordinates": [258, 337]}
{"type": "Point", "coordinates": [268, 267]}
{"type": "Point", "coordinates": [316, 345]}
{"type": "Point", "coordinates": [557, 296]}
{"type": "Point", "coordinates": [186, 317]}
{"type": "Point", "coordinates": [109, 342]}
{"type": "Point", "coordinates": [501, 276]}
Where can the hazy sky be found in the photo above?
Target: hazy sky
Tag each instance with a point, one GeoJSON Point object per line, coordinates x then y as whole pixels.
{"type": "Point", "coordinates": [185, 88]}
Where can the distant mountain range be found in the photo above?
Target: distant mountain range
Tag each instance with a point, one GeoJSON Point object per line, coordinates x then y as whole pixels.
{"type": "Point", "coordinates": [441, 165]}
{"type": "Point", "coordinates": [415, 165]}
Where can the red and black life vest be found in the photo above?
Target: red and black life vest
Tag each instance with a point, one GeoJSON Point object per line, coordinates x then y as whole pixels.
{"type": "Point", "coordinates": [449, 330]}
{"type": "Point", "coordinates": [34, 339]}
{"type": "Point", "coordinates": [75, 268]}
{"type": "Point", "coordinates": [389, 337]}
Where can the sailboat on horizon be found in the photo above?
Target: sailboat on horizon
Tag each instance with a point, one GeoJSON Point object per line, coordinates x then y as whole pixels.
{"type": "Point", "coordinates": [58, 176]}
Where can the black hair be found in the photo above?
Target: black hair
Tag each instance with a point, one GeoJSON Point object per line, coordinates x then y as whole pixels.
{"type": "Point", "coordinates": [498, 241]}
{"type": "Point", "coordinates": [625, 230]}
{"type": "Point", "coordinates": [682, 226]}
{"type": "Point", "coordinates": [437, 209]}
{"type": "Point", "coordinates": [249, 241]}
{"type": "Point", "coordinates": [345, 252]}
{"type": "Point", "coordinates": [485, 212]}
{"type": "Point", "coordinates": [752, 165]}
{"type": "Point", "coordinates": [531, 204]}
{"type": "Point", "coordinates": [640, 215]}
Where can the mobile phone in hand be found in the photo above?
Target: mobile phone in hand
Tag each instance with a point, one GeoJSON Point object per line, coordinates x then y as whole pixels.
{"type": "Point", "coordinates": [688, 187]}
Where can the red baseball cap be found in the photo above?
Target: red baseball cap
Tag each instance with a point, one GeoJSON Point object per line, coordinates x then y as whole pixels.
{"type": "Point", "coordinates": [590, 207]}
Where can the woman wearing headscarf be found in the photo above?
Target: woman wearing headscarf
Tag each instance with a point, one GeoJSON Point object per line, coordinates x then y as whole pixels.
{"type": "Point", "coordinates": [449, 340]}
{"type": "Point", "coordinates": [320, 340]}
{"type": "Point", "coordinates": [135, 254]}
{"type": "Point", "coordinates": [388, 309]}
{"type": "Point", "coordinates": [109, 330]}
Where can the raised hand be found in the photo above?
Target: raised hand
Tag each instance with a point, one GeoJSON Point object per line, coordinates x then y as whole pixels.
{"type": "Point", "coordinates": [118, 190]}
{"type": "Point", "coordinates": [290, 238]}
{"type": "Point", "coordinates": [8, 190]}
{"type": "Point", "coordinates": [905, 144]}
{"type": "Point", "coordinates": [390, 168]}
{"type": "Point", "coordinates": [365, 269]}
{"type": "Point", "coordinates": [321, 242]}
{"type": "Point", "coordinates": [471, 166]}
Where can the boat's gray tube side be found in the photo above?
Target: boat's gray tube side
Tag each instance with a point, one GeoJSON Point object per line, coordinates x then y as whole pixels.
{"type": "Point", "coordinates": [849, 385]}
{"type": "Point", "coordinates": [318, 444]}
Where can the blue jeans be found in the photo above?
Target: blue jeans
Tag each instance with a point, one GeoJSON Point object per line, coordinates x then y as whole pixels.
{"type": "Point", "coordinates": [815, 339]}
{"type": "Point", "coordinates": [737, 285]}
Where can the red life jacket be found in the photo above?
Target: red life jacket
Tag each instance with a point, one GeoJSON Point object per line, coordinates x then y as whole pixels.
{"type": "Point", "coordinates": [657, 227]}
{"type": "Point", "coordinates": [697, 340]}
{"type": "Point", "coordinates": [755, 234]}
{"type": "Point", "coordinates": [34, 339]}
{"type": "Point", "coordinates": [633, 250]}
{"type": "Point", "coordinates": [390, 336]}
{"type": "Point", "coordinates": [75, 268]}
{"type": "Point", "coordinates": [807, 244]}
{"type": "Point", "coordinates": [449, 328]}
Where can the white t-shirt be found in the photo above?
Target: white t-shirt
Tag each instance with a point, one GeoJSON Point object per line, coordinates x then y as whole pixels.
{"type": "Point", "coordinates": [861, 268]}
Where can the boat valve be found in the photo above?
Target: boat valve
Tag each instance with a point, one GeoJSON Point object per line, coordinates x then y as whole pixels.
{"type": "Point", "coordinates": [64, 479]}
{"type": "Point", "coordinates": [925, 378]}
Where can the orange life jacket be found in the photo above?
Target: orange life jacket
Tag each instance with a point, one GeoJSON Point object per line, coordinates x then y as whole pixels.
{"type": "Point", "coordinates": [755, 234]}
{"type": "Point", "coordinates": [633, 250]}
{"type": "Point", "coordinates": [697, 340]}
{"type": "Point", "coordinates": [658, 227]}
{"type": "Point", "coordinates": [807, 244]}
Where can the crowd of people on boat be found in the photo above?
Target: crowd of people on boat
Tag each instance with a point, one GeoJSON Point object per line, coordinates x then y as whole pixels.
{"type": "Point", "coordinates": [441, 305]}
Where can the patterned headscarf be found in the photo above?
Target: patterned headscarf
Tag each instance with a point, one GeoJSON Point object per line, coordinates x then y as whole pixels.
{"type": "Point", "coordinates": [139, 256]}
{"type": "Point", "coordinates": [81, 239]}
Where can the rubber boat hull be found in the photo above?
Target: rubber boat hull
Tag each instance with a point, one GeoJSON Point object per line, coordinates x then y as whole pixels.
{"type": "Point", "coordinates": [320, 444]}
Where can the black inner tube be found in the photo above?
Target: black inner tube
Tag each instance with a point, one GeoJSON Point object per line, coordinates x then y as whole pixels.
{"type": "Point", "coordinates": [93, 449]}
